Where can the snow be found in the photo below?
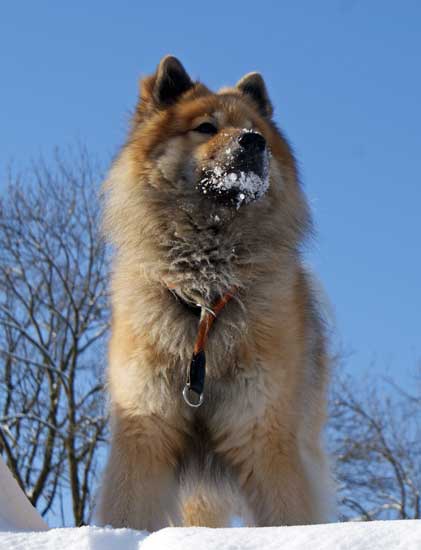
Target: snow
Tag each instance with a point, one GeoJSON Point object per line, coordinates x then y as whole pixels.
{"type": "Point", "coordinates": [21, 528]}
{"type": "Point", "coordinates": [393, 535]}
{"type": "Point", "coordinates": [15, 509]}
{"type": "Point", "coordinates": [397, 535]}
{"type": "Point", "coordinates": [250, 186]}
{"type": "Point", "coordinates": [77, 538]}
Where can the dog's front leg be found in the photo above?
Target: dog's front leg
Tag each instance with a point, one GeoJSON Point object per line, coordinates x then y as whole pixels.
{"type": "Point", "coordinates": [286, 485]}
{"type": "Point", "coordinates": [139, 488]}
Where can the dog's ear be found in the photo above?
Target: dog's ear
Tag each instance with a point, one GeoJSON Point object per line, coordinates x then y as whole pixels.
{"type": "Point", "coordinates": [253, 86]}
{"type": "Point", "coordinates": [168, 83]}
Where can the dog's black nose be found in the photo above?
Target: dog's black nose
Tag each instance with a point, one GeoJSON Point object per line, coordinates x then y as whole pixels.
{"type": "Point", "coordinates": [252, 141]}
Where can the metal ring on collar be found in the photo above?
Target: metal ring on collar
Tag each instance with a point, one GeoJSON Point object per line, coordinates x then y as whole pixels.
{"type": "Point", "coordinates": [190, 403]}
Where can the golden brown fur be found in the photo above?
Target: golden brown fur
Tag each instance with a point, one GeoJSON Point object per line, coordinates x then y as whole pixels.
{"type": "Point", "coordinates": [254, 444]}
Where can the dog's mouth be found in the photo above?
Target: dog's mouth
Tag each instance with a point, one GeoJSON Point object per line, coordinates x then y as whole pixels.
{"type": "Point", "coordinates": [235, 187]}
{"type": "Point", "coordinates": [241, 176]}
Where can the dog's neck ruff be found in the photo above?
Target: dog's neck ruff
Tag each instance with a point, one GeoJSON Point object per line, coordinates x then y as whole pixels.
{"type": "Point", "coordinates": [195, 383]}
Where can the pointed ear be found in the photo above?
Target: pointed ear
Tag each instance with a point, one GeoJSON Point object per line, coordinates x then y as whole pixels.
{"type": "Point", "coordinates": [170, 81]}
{"type": "Point", "coordinates": [253, 86]}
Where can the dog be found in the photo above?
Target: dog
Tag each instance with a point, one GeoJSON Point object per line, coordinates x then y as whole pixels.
{"type": "Point", "coordinates": [217, 359]}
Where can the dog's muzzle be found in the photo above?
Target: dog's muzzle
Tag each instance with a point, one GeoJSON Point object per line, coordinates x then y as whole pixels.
{"type": "Point", "coordinates": [241, 174]}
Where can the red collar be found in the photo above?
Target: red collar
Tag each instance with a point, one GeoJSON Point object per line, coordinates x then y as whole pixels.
{"type": "Point", "coordinates": [197, 372]}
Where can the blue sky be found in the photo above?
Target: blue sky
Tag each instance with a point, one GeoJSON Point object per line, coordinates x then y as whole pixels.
{"type": "Point", "coordinates": [345, 80]}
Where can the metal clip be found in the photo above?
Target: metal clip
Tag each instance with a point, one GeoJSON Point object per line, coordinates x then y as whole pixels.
{"type": "Point", "coordinates": [204, 310]}
{"type": "Point", "coordinates": [186, 391]}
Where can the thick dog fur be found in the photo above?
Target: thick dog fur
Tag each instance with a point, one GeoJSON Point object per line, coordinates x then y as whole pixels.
{"type": "Point", "coordinates": [254, 445]}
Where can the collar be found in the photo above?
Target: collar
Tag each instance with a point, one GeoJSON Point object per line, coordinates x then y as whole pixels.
{"type": "Point", "coordinates": [196, 374]}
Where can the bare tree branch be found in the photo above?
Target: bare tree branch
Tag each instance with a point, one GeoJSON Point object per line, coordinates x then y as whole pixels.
{"type": "Point", "coordinates": [375, 432]}
{"type": "Point", "coordinates": [53, 320]}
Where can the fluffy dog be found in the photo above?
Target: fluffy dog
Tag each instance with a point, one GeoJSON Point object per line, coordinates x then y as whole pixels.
{"type": "Point", "coordinates": [207, 217]}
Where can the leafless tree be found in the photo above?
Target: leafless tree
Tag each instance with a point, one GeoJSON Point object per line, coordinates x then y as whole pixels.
{"type": "Point", "coordinates": [375, 434]}
{"type": "Point", "coordinates": [53, 321]}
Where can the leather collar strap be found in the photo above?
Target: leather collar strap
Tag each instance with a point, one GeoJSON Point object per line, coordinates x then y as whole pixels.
{"type": "Point", "coordinates": [197, 372]}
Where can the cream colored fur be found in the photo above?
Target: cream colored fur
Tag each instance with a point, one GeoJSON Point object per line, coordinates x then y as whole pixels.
{"type": "Point", "coordinates": [255, 444]}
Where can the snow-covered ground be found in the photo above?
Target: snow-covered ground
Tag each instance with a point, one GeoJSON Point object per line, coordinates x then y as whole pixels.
{"type": "Point", "coordinates": [21, 528]}
{"type": "Point", "coordinates": [16, 512]}
{"type": "Point", "coordinates": [396, 535]}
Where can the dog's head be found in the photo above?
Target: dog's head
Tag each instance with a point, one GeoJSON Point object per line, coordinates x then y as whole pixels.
{"type": "Point", "coordinates": [223, 146]}
{"type": "Point", "coordinates": [196, 161]}
{"type": "Point", "coordinates": [208, 144]}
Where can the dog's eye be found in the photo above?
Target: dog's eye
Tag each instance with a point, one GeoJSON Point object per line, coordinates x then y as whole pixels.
{"type": "Point", "coordinates": [206, 128]}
